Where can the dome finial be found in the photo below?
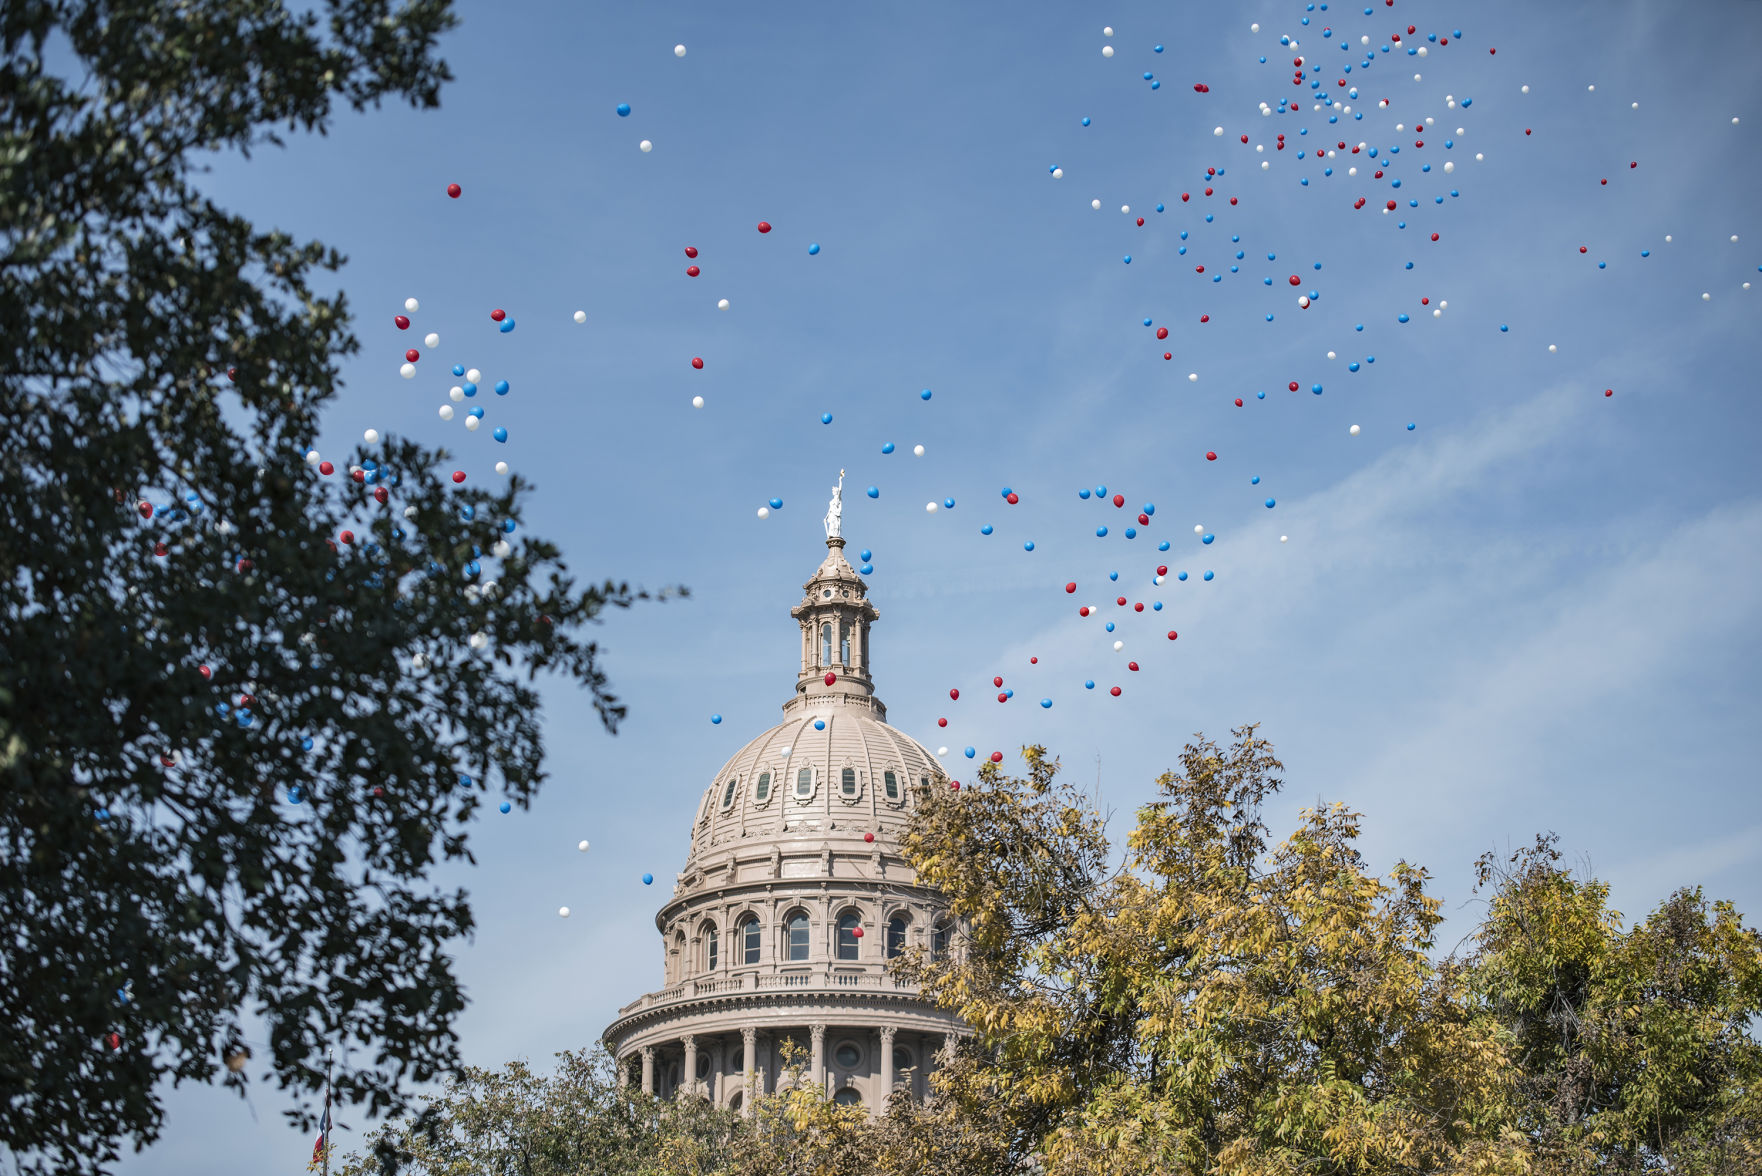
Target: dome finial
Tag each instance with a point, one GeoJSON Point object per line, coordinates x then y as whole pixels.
{"type": "Point", "coordinates": [834, 519]}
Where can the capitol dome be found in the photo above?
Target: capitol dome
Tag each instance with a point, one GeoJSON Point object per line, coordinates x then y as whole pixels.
{"type": "Point", "coordinates": [794, 897]}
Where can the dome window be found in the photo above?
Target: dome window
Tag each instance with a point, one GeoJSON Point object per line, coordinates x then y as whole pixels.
{"type": "Point", "coordinates": [804, 784]}
{"type": "Point", "coordinates": [939, 940]}
{"type": "Point", "coordinates": [797, 926]}
{"type": "Point", "coordinates": [848, 1097]}
{"type": "Point", "coordinates": [826, 645]}
{"type": "Point", "coordinates": [711, 943]}
{"type": "Point", "coordinates": [762, 791]}
{"type": "Point", "coordinates": [892, 782]}
{"type": "Point", "coordinates": [896, 936]}
{"type": "Point", "coordinates": [847, 782]}
{"type": "Point", "coordinates": [847, 935]}
{"type": "Point", "coordinates": [849, 1056]}
{"type": "Point", "coordinates": [749, 941]}
{"type": "Point", "coordinates": [902, 1058]}
{"type": "Point", "coordinates": [728, 792]}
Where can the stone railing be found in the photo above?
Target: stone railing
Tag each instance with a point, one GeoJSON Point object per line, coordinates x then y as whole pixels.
{"type": "Point", "coordinates": [761, 981]}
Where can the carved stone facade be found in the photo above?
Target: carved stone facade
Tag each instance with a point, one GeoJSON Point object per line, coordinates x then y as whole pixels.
{"type": "Point", "coordinates": [794, 895]}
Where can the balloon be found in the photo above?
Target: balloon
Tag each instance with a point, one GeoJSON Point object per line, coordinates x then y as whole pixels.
{"type": "Point", "coordinates": [970, 753]}
{"type": "Point", "coordinates": [1353, 430]}
{"type": "Point", "coordinates": [454, 191]}
{"type": "Point", "coordinates": [500, 434]}
{"type": "Point", "coordinates": [507, 326]}
{"type": "Point", "coordinates": [1115, 692]}
{"type": "Point", "coordinates": [1210, 455]}
{"type": "Point", "coordinates": [411, 305]}
{"type": "Point", "coordinates": [1208, 574]}
{"type": "Point", "coordinates": [408, 371]}
{"type": "Point", "coordinates": [1028, 546]}
{"type": "Point", "coordinates": [985, 530]}
{"type": "Point", "coordinates": [371, 436]}
{"type": "Point", "coordinates": [679, 50]}
{"type": "Point", "coordinates": [997, 757]}
{"type": "Point", "coordinates": [403, 323]}
{"type": "Point", "coordinates": [648, 879]}
{"type": "Point", "coordinates": [924, 395]}
{"type": "Point", "coordinates": [764, 512]}
{"type": "Point", "coordinates": [814, 248]}
{"type": "Point", "coordinates": [1046, 703]}
{"type": "Point", "coordinates": [431, 340]}
{"type": "Point", "coordinates": [819, 724]}
{"type": "Point", "coordinates": [563, 912]}
{"type": "Point", "coordinates": [1107, 50]}
{"type": "Point", "coordinates": [505, 807]}
{"type": "Point", "coordinates": [831, 678]}
{"type": "Point", "coordinates": [645, 146]}
{"type": "Point", "coordinates": [623, 110]}
{"type": "Point", "coordinates": [825, 418]}
{"type": "Point", "coordinates": [764, 226]}
{"type": "Point", "coordinates": [697, 362]}
{"type": "Point", "coordinates": [887, 447]}
{"type": "Point", "coordinates": [955, 694]}
{"type": "Point", "coordinates": [458, 476]}
{"type": "Point", "coordinates": [581, 316]}
{"type": "Point", "coordinates": [582, 846]}
{"type": "Point", "coordinates": [930, 507]}
{"type": "Point", "coordinates": [691, 271]}
{"type": "Point", "coordinates": [501, 467]}
{"type": "Point", "coordinates": [874, 492]}
{"type": "Point", "coordinates": [501, 387]}
{"type": "Point", "coordinates": [917, 451]}
{"type": "Point", "coordinates": [1270, 503]}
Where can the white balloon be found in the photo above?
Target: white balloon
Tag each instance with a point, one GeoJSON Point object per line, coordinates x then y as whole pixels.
{"type": "Point", "coordinates": [1437, 312]}
{"type": "Point", "coordinates": [1095, 204]}
{"type": "Point", "coordinates": [501, 549]}
{"type": "Point", "coordinates": [1192, 377]}
{"type": "Point", "coordinates": [1058, 173]}
{"type": "Point", "coordinates": [697, 401]}
{"type": "Point", "coordinates": [480, 641]}
{"type": "Point", "coordinates": [1303, 303]}
{"type": "Point", "coordinates": [1107, 50]}
{"type": "Point", "coordinates": [1199, 528]}
{"type": "Point", "coordinates": [784, 752]}
{"type": "Point", "coordinates": [679, 50]}
{"type": "Point", "coordinates": [1449, 166]}
{"type": "Point", "coordinates": [722, 304]}
{"type": "Point", "coordinates": [942, 751]}
{"type": "Point", "coordinates": [582, 846]}
{"type": "Point", "coordinates": [1254, 28]}
{"type": "Point", "coordinates": [502, 468]}
{"type": "Point", "coordinates": [1667, 238]}
{"type": "Point", "coordinates": [1706, 298]}
{"type": "Point", "coordinates": [371, 436]}
{"type": "Point", "coordinates": [408, 371]}
{"type": "Point", "coordinates": [312, 457]}
{"type": "Point", "coordinates": [563, 912]}
{"type": "Point", "coordinates": [646, 146]}
{"type": "Point", "coordinates": [431, 340]}
{"type": "Point", "coordinates": [1118, 645]}
{"type": "Point", "coordinates": [473, 376]}
{"type": "Point", "coordinates": [1266, 165]}
{"type": "Point", "coordinates": [1282, 538]}
{"type": "Point", "coordinates": [1552, 349]}
{"type": "Point", "coordinates": [1353, 430]}
{"type": "Point", "coordinates": [1107, 31]}
{"type": "Point", "coordinates": [931, 507]}
{"type": "Point", "coordinates": [409, 512]}
{"type": "Point", "coordinates": [1217, 130]}
{"type": "Point", "coordinates": [472, 423]}
{"type": "Point", "coordinates": [1526, 89]}
{"type": "Point", "coordinates": [581, 316]}
{"type": "Point", "coordinates": [764, 512]}
{"type": "Point", "coordinates": [411, 305]}
{"type": "Point", "coordinates": [1422, 53]}
{"type": "Point", "coordinates": [917, 451]}
{"type": "Point", "coordinates": [1126, 208]}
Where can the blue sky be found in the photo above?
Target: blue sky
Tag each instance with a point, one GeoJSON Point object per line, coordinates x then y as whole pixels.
{"type": "Point", "coordinates": [1536, 610]}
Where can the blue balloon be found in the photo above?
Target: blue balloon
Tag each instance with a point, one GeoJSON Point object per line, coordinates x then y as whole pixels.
{"type": "Point", "coordinates": [1085, 120]}
{"type": "Point", "coordinates": [1089, 684]}
{"type": "Point", "coordinates": [969, 753]}
{"type": "Point", "coordinates": [1400, 318]}
{"type": "Point", "coordinates": [776, 504]}
{"type": "Point", "coordinates": [887, 448]}
{"type": "Point", "coordinates": [867, 569]}
{"type": "Point", "coordinates": [985, 530]}
{"type": "Point", "coordinates": [500, 434]}
{"type": "Point", "coordinates": [1028, 546]}
{"type": "Point", "coordinates": [648, 879]}
{"type": "Point", "coordinates": [1101, 492]}
{"type": "Point", "coordinates": [1180, 575]}
{"type": "Point", "coordinates": [1047, 703]}
{"type": "Point", "coordinates": [1503, 328]}
{"type": "Point", "coordinates": [1113, 575]}
{"type": "Point", "coordinates": [1110, 626]}
{"type": "Point", "coordinates": [1005, 492]}
{"type": "Point", "coordinates": [1163, 546]}
{"type": "Point", "coordinates": [1316, 388]}
{"type": "Point", "coordinates": [813, 248]}
{"type": "Point", "coordinates": [296, 794]}
{"type": "Point", "coordinates": [1157, 49]}
{"type": "Point", "coordinates": [924, 395]}
{"type": "Point", "coordinates": [1270, 503]}
{"type": "Point", "coordinates": [505, 807]}
{"type": "Point", "coordinates": [1157, 606]}
{"type": "Point", "coordinates": [623, 110]}
{"type": "Point", "coordinates": [1255, 480]}
{"type": "Point", "coordinates": [1411, 426]}
{"type": "Point", "coordinates": [1101, 532]}
{"type": "Point", "coordinates": [501, 387]}
{"type": "Point", "coordinates": [1008, 693]}
{"type": "Point", "coordinates": [1159, 208]}
{"type": "Point", "coordinates": [475, 412]}
{"type": "Point", "coordinates": [865, 555]}
{"type": "Point", "coordinates": [874, 491]}
{"type": "Point", "coordinates": [1207, 538]}
{"type": "Point", "coordinates": [825, 418]}
{"type": "Point", "coordinates": [819, 724]}
{"type": "Point", "coordinates": [1083, 493]}
{"type": "Point", "coordinates": [716, 719]}
{"type": "Point", "coordinates": [1208, 573]}
{"type": "Point", "coordinates": [306, 743]}
{"type": "Point", "coordinates": [1128, 259]}
{"type": "Point", "coordinates": [508, 527]}
{"type": "Point", "coordinates": [1131, 532]}
{"type": "Point", "coordinates": [948, 504]}
{"type": "Point", "coordinates": [507, 325]}
{"type": "Point", "coordinates": [1150, 508]}
{"type": "Point", "coordinates": [469, 389]}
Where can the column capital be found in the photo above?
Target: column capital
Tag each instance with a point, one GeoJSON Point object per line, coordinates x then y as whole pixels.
{"type": "Point", "coordinates": [818, 1033]}
{"type": "Point", "coordinates": [749, 1034]}
{"type": "Point", "coordinates": [887, 1032]}
{"type": "Point", "coordinates": [648, 1053]}
{"type": "Point", "coordinates": [688, 1040]}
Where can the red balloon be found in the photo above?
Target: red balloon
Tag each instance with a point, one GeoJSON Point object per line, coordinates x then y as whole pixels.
{"type": "Point", "coordinates": [998, 681]}
{"type": "Point", "coordinates": [1084, 611]}
{"type": "Point", "coordinates": [1121, 601]}
{"type": "Point", "coordinates": [146, 509]}
{"type": "Point", "coordinates": [831, 678]}
{"type": "Point", "coordinates": [1119, 500]}
{"type": "Point", "coordinates": [1133, 666]}
{"type": "Point", "coordinates": [1173, 634]}
{"type": "Point", "coordinates": [1183, 197]}
{"type": "Point", "coordinates": [1208, 190]}
{"type": "Point", "coordinates": [691, 251]}
{"type": "Point", "coordinates": [454, 191]}
{"type": "Point", "coordinates": [1210, 456]}
{"type": "Point", "coordinates": [160, 550]}
{"type": "Point", "coordinates": [458, 476]}
{"type": "Point", "coordinates": [1434, 236]}
{"type": "Point", "coordinates": [347, 537]}
{"type": "Point", "coordinates": [1162, 332]}
{"type": "Point", "coordinates": [1292, 385]}
{"type": "Point", "coordinates": [1140, 222]}
{"type": "Point", "coordinates": [1003, 698]}
{"type": "Point", "coordinates": [997, 757]}
{"type": "Point", "coordinates": [1581, 248]}
{"type": "Point", "coordinates": [1162, 569]}
{"type": "Point", "coordinates": [691, 271]}
{"type": "Point", "coordinates": [955, 694]}
{"type": "Point", "coordinates": [1608, 392]}
{"type": "Point", "coordinates": [403, 323]}
{"type": "Point", "coordinates": [870, 837]}
{"type": "Point", "coordinates": [1139, 607]}
{"type": "Point", "coordinates": [1296, 281]}
{"type": "Point", "coordinates": [1143, 519]}
{"type": "Point", "coordinates": [1115, 692]}
{"type": "Point", "coordinates": [1033, 661]}
{"type": "Point", "coordinates": [1012, 498]}
{"type": "Point", "coordinates": [412, 355]}
{"type": "Point", "coordinates": [206, 671]}
{"type": "Point", "coordinates": [1205, 318]}
{"type": "Point", "coordinates": [115, 1040]}
{"type": "Point", "coordinates": [1071, 587]}
{"type": "Point", "coordinates": [857, 932]}
{"type": "Point", "coordinates": [697, 362]}
{"type": "Point", "coordinates": [325, 468]}
{"type": "Point", "coordinates": [1168, 355]}
{"type": "Point", "coordinates": [942, 722]}
{"type": "Point", "coordinates": [764, 226]}
{"type": "Point", "coordinates": [1238, 402]}
{"type": "Point", "coordinates": [1198, 269]}
{"type": "Point", "coordinates": [497, 315]}
{"type": "Point", "coordinates": [359, 474]}
{"type": "Point", "coordinates": [381, 495]}
{"type": "Point", "coordinates": [955, 784]}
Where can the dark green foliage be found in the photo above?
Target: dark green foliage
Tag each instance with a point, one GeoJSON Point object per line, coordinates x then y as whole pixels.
{"type": "Point", "coordinates": [154, 347]}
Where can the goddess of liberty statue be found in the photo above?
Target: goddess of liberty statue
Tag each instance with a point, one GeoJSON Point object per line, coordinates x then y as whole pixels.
{"type": "Point", "coordinates": [835, 512]}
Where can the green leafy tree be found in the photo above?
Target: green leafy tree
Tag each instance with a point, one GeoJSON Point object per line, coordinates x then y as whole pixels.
{"type": "Point", "coordinates": [245, 707]}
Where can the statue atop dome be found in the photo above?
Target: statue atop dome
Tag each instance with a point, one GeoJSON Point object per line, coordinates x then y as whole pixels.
{"type": "Point", "coordinates": [835, 512]}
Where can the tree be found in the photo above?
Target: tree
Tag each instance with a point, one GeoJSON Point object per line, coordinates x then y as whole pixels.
{"type": "Point", "coordinates": [1633, 1046]}
{"type": "Point", "coordinates": [1216, 1005]}
{"type": "Point", "coordinates": [245, 706]}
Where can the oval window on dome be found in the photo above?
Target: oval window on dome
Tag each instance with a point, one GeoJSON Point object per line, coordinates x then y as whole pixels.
{"type": "Point", "coordinates": [892, 783]}
{"type": "Point", "coordinates": [728, 791]}
{"type": "Point", "coordinates": [847, 782]}
{"type": "Point", "coordinates": [804, 784]}
{"type": "Point", "coordinates": [762, 791]}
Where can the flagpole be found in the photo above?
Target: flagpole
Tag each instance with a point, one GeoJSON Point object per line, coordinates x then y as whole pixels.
{"type": "Point", "coordinates": [326, 1133]}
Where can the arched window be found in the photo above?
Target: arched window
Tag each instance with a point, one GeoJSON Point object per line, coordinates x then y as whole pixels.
{"type": "Point", "coordinates": [712, 942]}
{"type": "Point", "coordinates": [797, 926]}
{"type": "Point", "coordinates": [847, 781]}
{"type": "Point", "coordinates": [939, 939]}
{"type": "Point", "coordinates": [847, 935]}
{"type": "Point", "coordinates": [844, 642]}
{"type": "Point", "coordinates": [892, 783]}
{"type": "Point", "coordinates": [804, 784]}
{"type": "Point", "coordinates": [896, 936]}
{"type": "Point", "coordinates": [902, 1058]}
{"type": "Point", "coordinates": [847, 1097]}
{"type": "Point", "coordinates": [728, 791]}
{"type": "Point", "coordinates": [678, 960]}
{"type": "Point", "coordinates": [826, 644]}
{"type": "Point", "coordinates": [762, 792]}
{"type": "Point", "coordinates": [749, 941]}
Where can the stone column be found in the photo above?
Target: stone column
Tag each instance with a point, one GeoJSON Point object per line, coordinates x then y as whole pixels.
{"type": "Point", "coordinates": [648, 1069]}
{"type": "Point", "coordinates": [887, 1032]}
{"type": "Point", "coordinates": [750, 1036]}
{"type": "Point", "coordinates": [625, 1077]}
{"type": "Point", "coordinates": [690, 1073]}
{"type": "Point", "coordinates": [817, 1067]}
{"type": "Point", "coordinates": [718, 1062]}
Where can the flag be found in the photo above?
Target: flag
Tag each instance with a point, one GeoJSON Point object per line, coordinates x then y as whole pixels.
{"type": "Point", "coordinates": [323, 1139]}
